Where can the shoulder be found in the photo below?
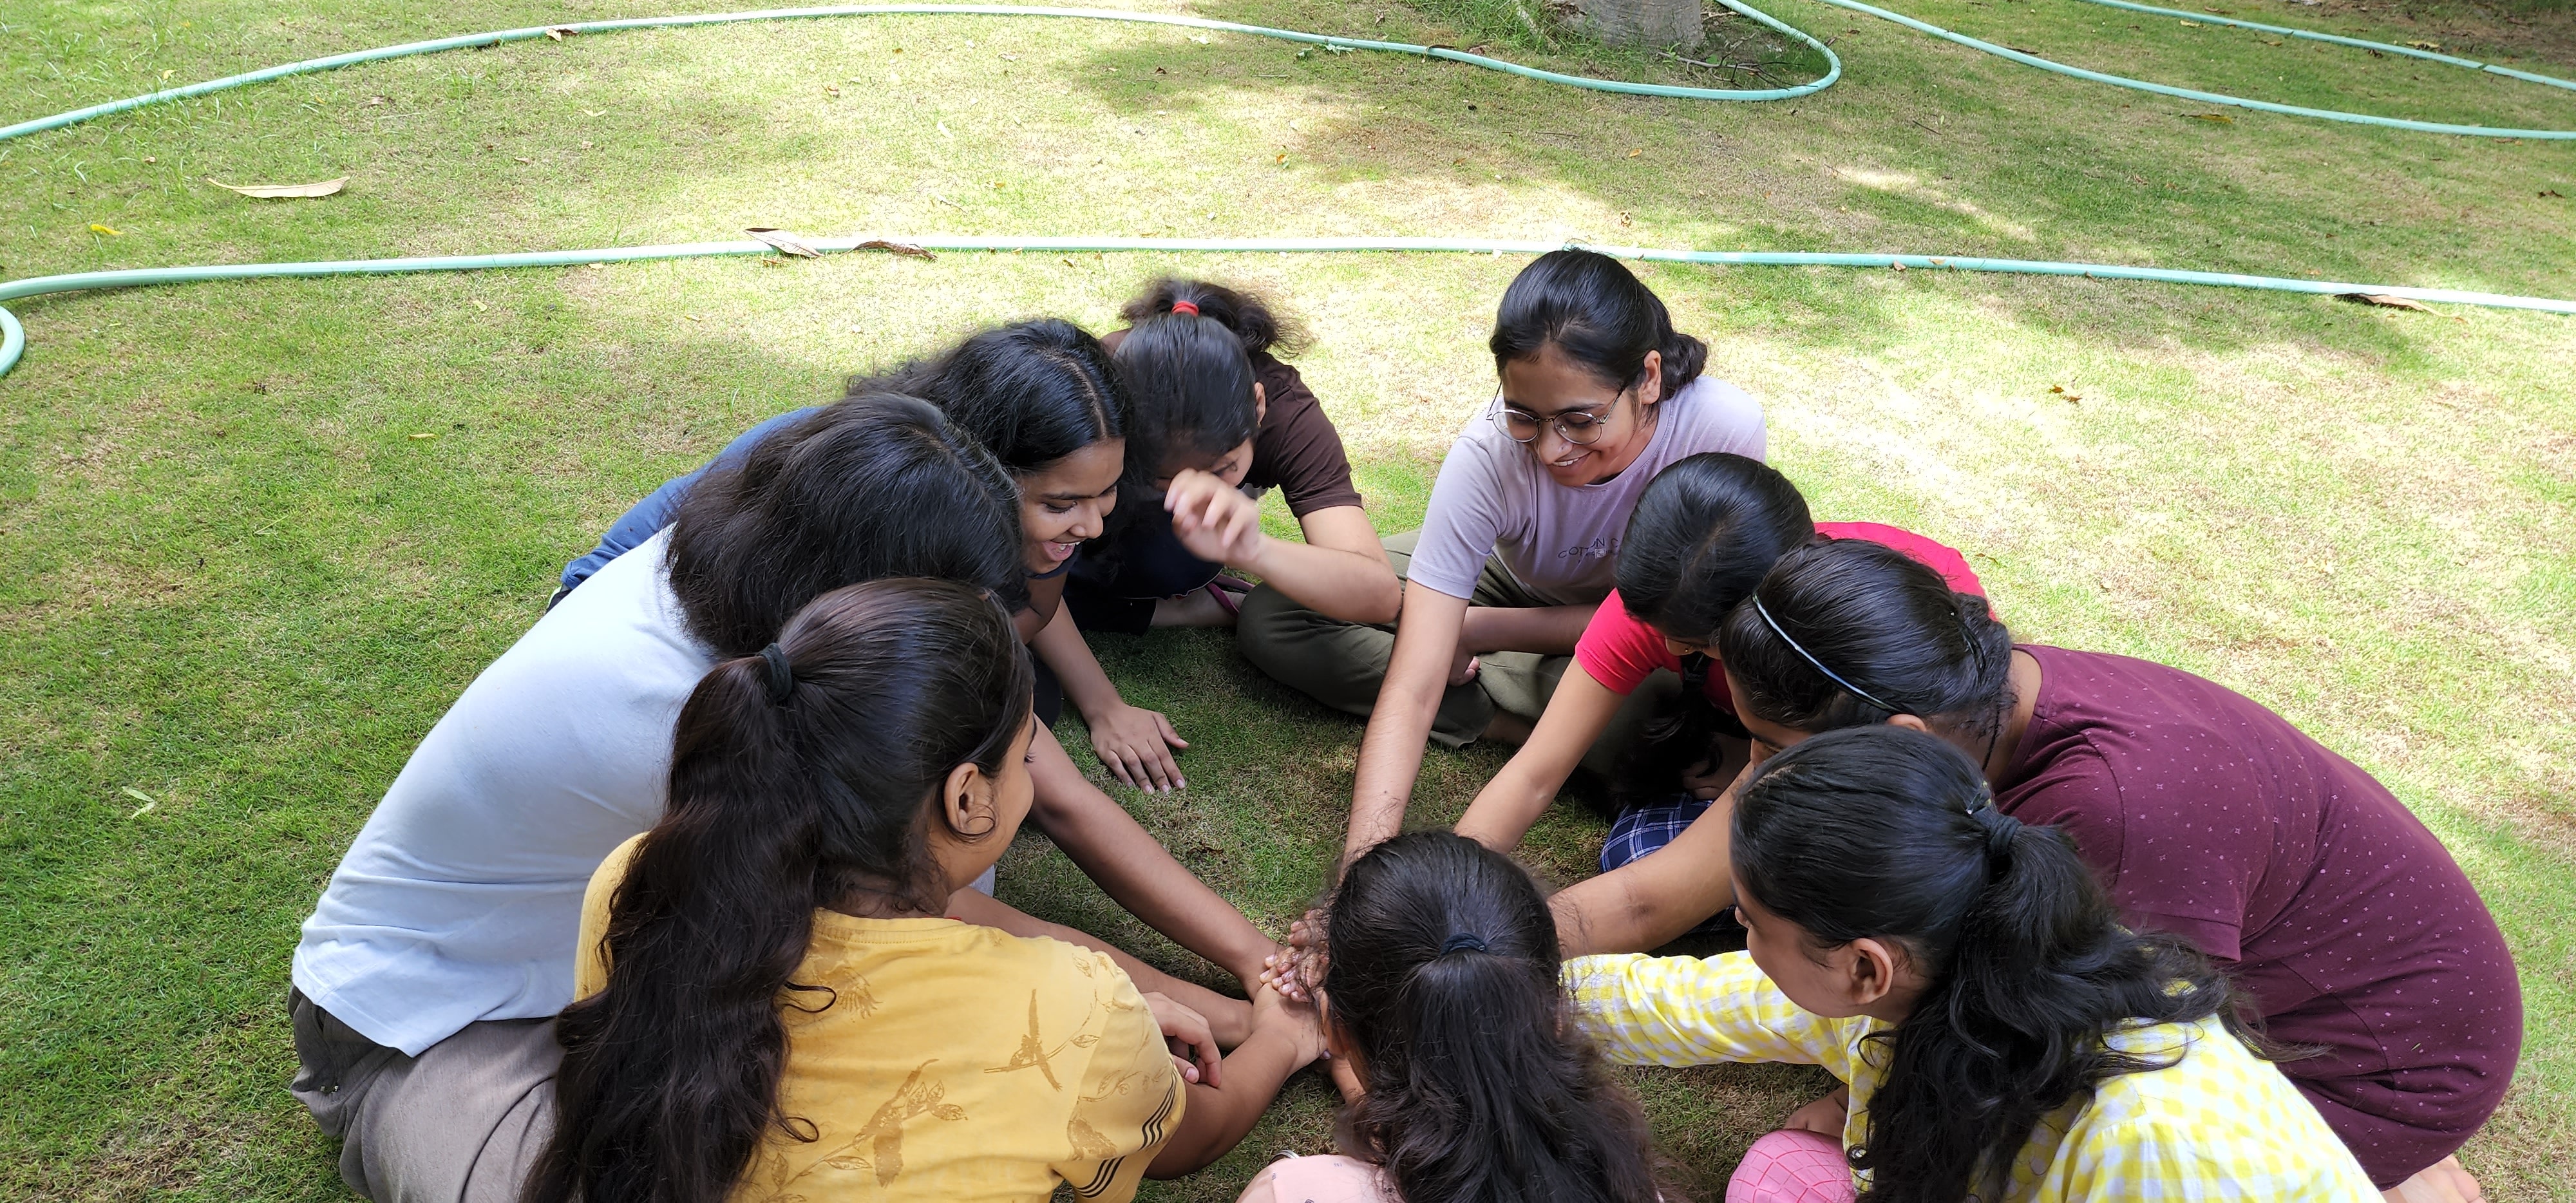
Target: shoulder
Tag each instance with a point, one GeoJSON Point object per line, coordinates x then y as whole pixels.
{"type": "Point", "coordinates": [1710, 408]}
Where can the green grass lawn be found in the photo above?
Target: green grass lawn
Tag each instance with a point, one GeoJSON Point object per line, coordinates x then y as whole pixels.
{"type": "Point", "coordinates": [254, 538]}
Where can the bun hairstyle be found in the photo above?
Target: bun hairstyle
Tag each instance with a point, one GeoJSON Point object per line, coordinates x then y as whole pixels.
{"type": "Point", "coordinates": [878, 485]}
{"type": "Point", "coordinates": [1031, 392]}
{"type": "Point", "coordinates": [1887, 833]}
{"type": "Point", "coordinates": [1703, 533]}
{"type": "Point", "coordinates": [1849, 632]}
{"type": "Point", "coordinates": [1443, 978]}
{"type": "Point", "coordinates": [1248, 317]}
{"type": "Point", "coordinates": [782, 800]}
{"type": "Point", "coordinates": [1593, 309]}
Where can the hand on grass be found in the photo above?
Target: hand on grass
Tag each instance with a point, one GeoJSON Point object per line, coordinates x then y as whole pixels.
{"type": "Point", "coordinates": [1135, 745]}
{"type": "Point", "coordinates": [1186, 1033]}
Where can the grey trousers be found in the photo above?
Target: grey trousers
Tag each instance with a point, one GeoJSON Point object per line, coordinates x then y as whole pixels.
{"type": "Point", "coordinates": [1342, 664]}
{"type": "Point", "coordinates": [460, 1123]}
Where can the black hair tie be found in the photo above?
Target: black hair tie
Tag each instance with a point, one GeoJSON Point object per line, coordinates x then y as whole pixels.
{"type": "Point", "coordinates": [1465, 941]}
{"type": "Point", "coordinates": [782, 679]}
{"type": "Point", "coordinates": [2000, 828]}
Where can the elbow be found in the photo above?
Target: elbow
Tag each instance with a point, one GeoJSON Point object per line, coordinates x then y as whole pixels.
{"type": "Point", "coordinates": [1382, 604]}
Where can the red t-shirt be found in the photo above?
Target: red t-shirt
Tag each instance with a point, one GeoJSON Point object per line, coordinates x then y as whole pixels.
{"type": "Point", "coordinates": [2349, 924]}
{"type": "Point", "coordinates": [1619, 650]}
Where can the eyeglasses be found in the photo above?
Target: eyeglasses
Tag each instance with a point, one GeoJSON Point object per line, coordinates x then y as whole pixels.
{"type": "Point", "coordinates": [1579, 427]}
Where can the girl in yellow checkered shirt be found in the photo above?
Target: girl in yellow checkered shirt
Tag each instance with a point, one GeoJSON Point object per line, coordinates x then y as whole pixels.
{"type": "Point", "coordinates": [2004, 1037]}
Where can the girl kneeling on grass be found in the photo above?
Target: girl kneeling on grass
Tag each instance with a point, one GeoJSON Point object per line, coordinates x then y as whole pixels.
{"type": "Point", "coordinates": [2004, 1036]}
{"type": "Point", "coordinates": [1218, 421]}
{"type": "Point", "coordinates": [1598, 393]}
{"type": "Point", "coordinates": [1705, 531]}
{"type": "Point", "coordinates": [1440, 997]}
{"type": "Point", "coordinates": [771, 1003]}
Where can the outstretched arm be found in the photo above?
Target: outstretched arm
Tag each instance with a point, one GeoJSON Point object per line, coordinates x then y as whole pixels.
{"type": "Point", "coordinates": [1577, 713]}
{"type": "Point", "coordinates": [1285, 1038]}
{"type": "Point", "coordinates": [1417, 674]}
{"type": "Point", "coordinates": [1649, 902]}
{"type": "Point", "coordinates": [1133, 743]}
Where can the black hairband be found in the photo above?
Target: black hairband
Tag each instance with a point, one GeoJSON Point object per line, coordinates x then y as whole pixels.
{"type": "Point", "coordinates": [782, 679]}
{"type": "Point", "coordinates": [1819, 665]}
{"type": "Point", "coordinates": [1465, 941]}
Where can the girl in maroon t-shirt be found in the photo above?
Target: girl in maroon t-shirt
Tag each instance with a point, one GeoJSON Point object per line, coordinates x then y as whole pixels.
{"type": "Point", "coordinates": [2345, 922]}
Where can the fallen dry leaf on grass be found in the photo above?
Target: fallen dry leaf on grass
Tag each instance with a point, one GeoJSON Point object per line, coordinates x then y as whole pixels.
{"type": "Point", "coordinates": [784, 242]}
{"type": "Point", "coordinates": [2060, 390]}
{"type": "Point", "coordinates": [905, 249]}
{"type": "Point", "coordinates": [2545, 192]}
{"type": "Point", "coordinates": [560, 32]}
{"type": "Point", "coordinates": [2387, 301]}
{"type": "Point", "coordinates": [96, 228]}
{"type": "Point", "coordinates": [283, 191]}
{"type": "Point", "coordinates": [2220, 118]}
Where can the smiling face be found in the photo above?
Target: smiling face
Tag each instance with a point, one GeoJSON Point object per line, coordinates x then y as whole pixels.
{"type": "Point", "coordinates": [1552, 388]}
{"type": "Point", "coordinates": [1068, 501]}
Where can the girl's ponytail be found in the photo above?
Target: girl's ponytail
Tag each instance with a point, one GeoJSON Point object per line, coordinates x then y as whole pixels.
{"type": "Point", "coordinates": [1887, 833]}
{"type": "Point", "coordinates": [799, 778]}
{"type": "Point", "coordinates": [1442, 977]}
{"type": "Point", "coordinates": [1249, 318]}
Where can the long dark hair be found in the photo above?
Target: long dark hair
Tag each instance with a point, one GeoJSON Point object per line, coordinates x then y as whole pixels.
{"type": "Point", "coordinates": [1031, 392]}
{"type": "Point", "coordinates": [874, 486]}
{"type": "Point", "coordinates": [1591, 307]}
{"type": "Point", "coordinates": [777, 807]}
{"type": "Point", "coordinates": [1443, 976]}
{"type": "Point", "coordinates": [1882, 621]}
{"type": "Point", "coordinates": [1889, 833]}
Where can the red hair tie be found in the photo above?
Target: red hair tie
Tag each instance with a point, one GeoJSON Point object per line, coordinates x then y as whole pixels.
{"type": "Point", "coordinates": [1189, 307]}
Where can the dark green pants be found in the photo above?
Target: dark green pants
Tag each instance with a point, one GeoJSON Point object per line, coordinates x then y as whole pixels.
{"type": "Point", "coordinates": [1342, 664]}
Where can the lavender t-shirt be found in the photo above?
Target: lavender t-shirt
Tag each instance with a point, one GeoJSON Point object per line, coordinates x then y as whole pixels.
{"type": "Point", "coordinates": [1561, 542]}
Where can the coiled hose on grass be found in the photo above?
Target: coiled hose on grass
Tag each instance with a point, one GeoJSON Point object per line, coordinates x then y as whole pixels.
{"type": "Point", "coordinates": [13, 339]}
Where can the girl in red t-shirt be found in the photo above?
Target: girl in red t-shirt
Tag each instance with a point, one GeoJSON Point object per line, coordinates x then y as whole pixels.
{"type": "Point", "coordinates": [1703, 533]}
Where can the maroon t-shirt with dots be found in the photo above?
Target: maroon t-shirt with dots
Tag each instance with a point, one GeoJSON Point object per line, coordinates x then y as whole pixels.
{"type": "Point", "coordinates": [2347, 923]}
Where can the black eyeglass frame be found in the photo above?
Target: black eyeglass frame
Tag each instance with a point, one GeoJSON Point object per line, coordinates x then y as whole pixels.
{"type": "Point", "coordinates": [1504, 413]}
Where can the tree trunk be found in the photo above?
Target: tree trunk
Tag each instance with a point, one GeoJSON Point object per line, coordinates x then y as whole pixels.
{"type": "Point", "coordinates": [1649, 23]}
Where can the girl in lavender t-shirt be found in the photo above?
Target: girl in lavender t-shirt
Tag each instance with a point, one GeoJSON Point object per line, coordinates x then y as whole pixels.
{"type": "Point", "coordinates": [1599, 393]}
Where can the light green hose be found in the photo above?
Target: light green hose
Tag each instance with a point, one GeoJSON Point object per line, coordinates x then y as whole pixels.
{"type": "Point", "coordinates": [13, 338]}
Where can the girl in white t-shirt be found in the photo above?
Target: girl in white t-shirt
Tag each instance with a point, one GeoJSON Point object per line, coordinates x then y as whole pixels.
{"type": "Point", "coordinates": [1598, 393]}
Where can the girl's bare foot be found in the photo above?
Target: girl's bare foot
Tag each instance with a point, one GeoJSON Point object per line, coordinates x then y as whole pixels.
{"type": "Point", "coordinates": [2444, 1181]}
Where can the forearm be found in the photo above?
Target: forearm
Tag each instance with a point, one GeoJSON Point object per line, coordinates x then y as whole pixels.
{"type": "Point", "coordinates": [1107, 843]}
{"type": "Point", "coordinates": [1576, 714]}
{"type": "Point", "coordinates": [1417, 675]}
{"type": "Point", "coordinates": [1547, 630]}
{"type": "Point", "coordinates": [1620, 911]}
{"type": "Point", "coordinates": [1085, 685]}
{"type": "Point", "coordinates": [1335, 583]}
{"type": "Point", "coordinates": [1218, 1117]}
{"type": "Point", "coordinates": [1229, 1019]}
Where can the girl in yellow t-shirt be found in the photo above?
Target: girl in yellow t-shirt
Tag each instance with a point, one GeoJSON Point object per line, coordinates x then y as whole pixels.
{"type": "Point", "coordinates": [2004, 1037]}
{"type": "Point", "coordinates": [772, 1004]}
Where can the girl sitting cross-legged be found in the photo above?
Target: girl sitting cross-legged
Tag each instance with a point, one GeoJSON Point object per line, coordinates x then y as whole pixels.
{"type": "Point", "coordinates": [1438, 983]}
{"type": "Point", "coordinates": [771, 1003]}
{"type": "Point", "coordinates": [2006, 1039]}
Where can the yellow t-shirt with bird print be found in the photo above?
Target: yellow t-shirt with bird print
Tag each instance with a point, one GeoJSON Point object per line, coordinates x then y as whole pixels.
{"type": "Point", "coordinates": [952, 1063]}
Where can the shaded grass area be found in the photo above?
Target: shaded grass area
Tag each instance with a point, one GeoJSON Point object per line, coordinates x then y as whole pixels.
{"type": "Point", "coordinates": [235, 578]}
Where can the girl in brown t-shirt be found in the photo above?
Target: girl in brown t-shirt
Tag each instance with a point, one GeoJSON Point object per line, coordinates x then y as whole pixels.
{"type": "Point", "coordinates": [1219, 420]}
{"type": "Point", "coordinates": [2345, 923]}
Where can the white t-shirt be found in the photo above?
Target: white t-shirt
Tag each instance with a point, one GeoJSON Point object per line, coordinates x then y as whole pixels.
{"type": "Point", "coordinates": [1562, 542]}
{"type": "Point", "coordinates": [461, 899]}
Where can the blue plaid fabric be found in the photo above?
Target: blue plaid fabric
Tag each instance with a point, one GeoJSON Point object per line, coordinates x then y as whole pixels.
{"type": "Point", "coordinates": [1644, 828]}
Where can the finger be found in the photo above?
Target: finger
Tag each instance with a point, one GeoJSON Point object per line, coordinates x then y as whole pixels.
{"type": "Point", "coordinates": [1189, 1069]}
{"type": "Point", "coordinates": [1170, 735]}
{"type": "Point", "coordinates": [1117, 767]}
{"type": "Point", "coordinates": [1159, 767]}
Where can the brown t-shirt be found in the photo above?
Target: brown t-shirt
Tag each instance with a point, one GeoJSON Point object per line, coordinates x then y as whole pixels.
{"type": "Point", "coordinates": [1296, 450]}
{"type": "Point", "coordinates": [2349, 925]}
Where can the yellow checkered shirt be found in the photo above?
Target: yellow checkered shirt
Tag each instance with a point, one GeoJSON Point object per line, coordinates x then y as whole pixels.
{"type": "Point", "coordinates": [2219, 1124]}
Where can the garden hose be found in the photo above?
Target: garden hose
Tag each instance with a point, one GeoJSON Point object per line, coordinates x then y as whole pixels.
{"type": "Point", "coordinates": [13, 335]}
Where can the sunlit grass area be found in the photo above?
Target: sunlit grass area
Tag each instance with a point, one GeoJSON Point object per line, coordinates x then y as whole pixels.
{"type": "Point", "coordinates": [254, 538]}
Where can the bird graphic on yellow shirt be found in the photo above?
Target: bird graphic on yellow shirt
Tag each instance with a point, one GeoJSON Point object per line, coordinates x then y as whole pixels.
{"type": "Point", "coordinates": [884, 1130]}
{"type": "Point", "coordinates": [1033, 1052]}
